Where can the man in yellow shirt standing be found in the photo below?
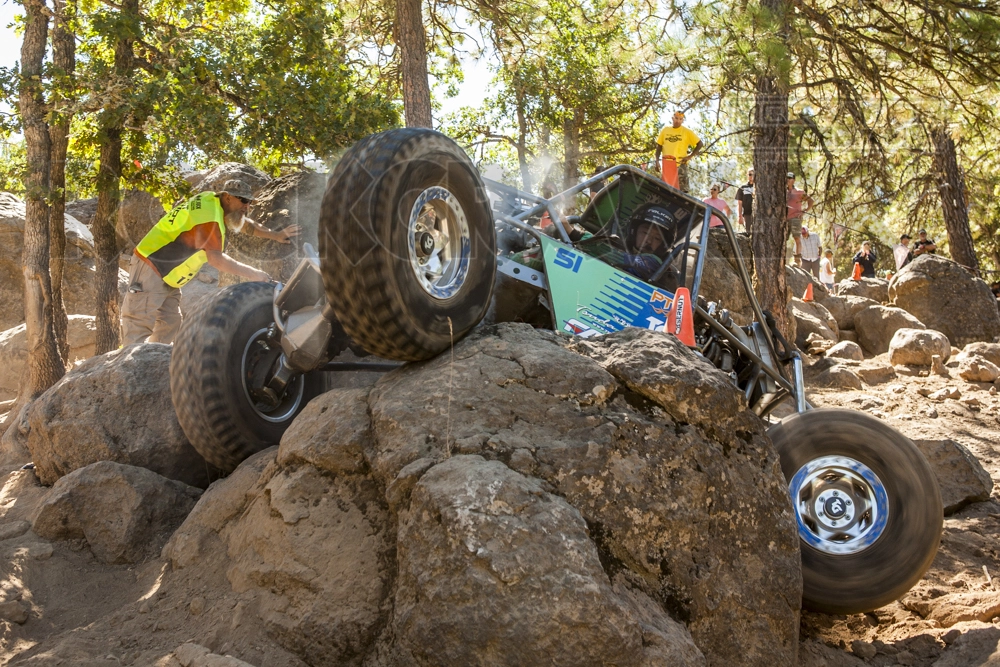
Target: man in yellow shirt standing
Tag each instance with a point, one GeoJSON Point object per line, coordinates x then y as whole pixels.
{"type": "Point", "coordinates": [674, 142]}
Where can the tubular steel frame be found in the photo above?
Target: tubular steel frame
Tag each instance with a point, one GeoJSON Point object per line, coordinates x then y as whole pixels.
{"type": "Point", "coordinates": [795, 388]}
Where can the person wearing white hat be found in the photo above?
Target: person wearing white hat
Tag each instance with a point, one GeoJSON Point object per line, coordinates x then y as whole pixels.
{"type": "Point", "coordinates": [174, 250]}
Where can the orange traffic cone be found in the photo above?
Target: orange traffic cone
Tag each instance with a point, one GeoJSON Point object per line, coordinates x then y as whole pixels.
{"type": "Point", "coordinates": [857, 272]}
{"type": "Point", "coordinates": [808, 296]}
{"type": "Point", "coordinates": [680, 319]}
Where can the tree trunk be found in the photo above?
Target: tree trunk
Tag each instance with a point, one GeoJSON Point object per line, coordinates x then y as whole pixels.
{"type": "Point", "coordinates": [64, 62]}
{"type": "Point", "coordinates": [571, 148]}
{"type": "Point", "coordinates": [951, 186]}
{"type": "Point", "coordinates": [522, 143]}
{"type": "Point", "coordinates": [108, 195]}
{"type": "Point", "coordinates": [770, 162]}
{"type": "Point", "coordinates": [45, 366]}
{"type": "Point", "coordinates": [412, 42]}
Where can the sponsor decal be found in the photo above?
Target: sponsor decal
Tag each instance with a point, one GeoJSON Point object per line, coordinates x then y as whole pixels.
{"type": "Point", "coordinates": [660, 302]}
{"type": "Point", "coordinates": [578, 328]}
{"type": "Point", "coordinates": [680, 303]}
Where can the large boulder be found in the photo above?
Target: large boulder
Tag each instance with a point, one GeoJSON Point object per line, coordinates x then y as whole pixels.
{"type": "Point", "coordinates": [318, 550]}
{"type": "Point", "coordinates": [216, 177]}
{"type": "Point", "coordinates": [960, 475]}
{"type": "Point", "coordinates": [124, 513]}
{"type": "Point", "coordinates": [798, 279]}
{"type": "Point", "coordinates": [115, 407]}
{"type": "Point", "coordinates": [645, 489]}
{"type": "Point", "coordinates": [988, 351]}
{"type": "Point", "coordinates": [812, 318]}
{"type": "Point", "coordinates": [81, 334]}
{"type": "Point", "coordinates": [947, 298]}
{"type": "Point", "coordinates": [79, 292]}
{"type": "Point", "coordinates": [83, 210]}
{"type": "Point", "coordinates": [137, 214]}
{"type": "Point", "coordinates": [528, 500]}
{"type": "Point", "coordinates": [846, 349]}
{"type": "Point", "coordinates": [876, 325]}
{"type": "Point", "coordinates": [831, 375]}
{"type": "Point", "coordinates": [977, 369]}
{"type": "Point", "coordinates": [290, 200]}
{"type": "Point", "coordinates": [916, 347]}
{"type": "Point", "coordinates": [530, 554]}
{"type": "Point", "coordinates": [844, 308]}
{"type": "Point", "coordinates": [876, 289]}
{"type": "Point", "coordinates": [721, 279]}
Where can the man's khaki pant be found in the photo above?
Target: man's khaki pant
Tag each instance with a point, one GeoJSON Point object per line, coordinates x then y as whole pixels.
{"type": "Point", "coordinates": [152, 309]}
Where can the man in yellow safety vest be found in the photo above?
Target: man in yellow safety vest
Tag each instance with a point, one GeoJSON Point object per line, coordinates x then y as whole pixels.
{"type": "Point", "coordinates": [175, 249]}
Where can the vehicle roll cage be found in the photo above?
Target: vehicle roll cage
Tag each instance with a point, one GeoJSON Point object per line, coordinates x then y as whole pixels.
{"type": "Point", "coordinates": [537, 206]}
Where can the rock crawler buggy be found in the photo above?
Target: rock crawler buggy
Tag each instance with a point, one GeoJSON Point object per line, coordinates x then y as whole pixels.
{"type": "Point", "coordinates": [409, 236]}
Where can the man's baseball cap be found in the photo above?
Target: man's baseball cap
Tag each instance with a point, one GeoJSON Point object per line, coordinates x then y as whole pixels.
{"type": "Point", "coordinates": [922, 231]}
{"type": "Point", "coordinates": [238, 189]}
{"type": "Point", "coordinates": [904, 236]}
{"type": "Point", "coordinates": [791, 175]}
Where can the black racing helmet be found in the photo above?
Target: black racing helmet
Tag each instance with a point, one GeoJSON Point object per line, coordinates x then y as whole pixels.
{"type": "Point", "coordinates": [659, 217]}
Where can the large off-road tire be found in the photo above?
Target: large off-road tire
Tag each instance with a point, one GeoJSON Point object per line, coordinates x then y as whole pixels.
{"type": "Point", "coordinates": [867, 505]}
{"type": "Point", "coordinates": [217, 364]}
{"type": "Point", "coordinates": [407, 244]}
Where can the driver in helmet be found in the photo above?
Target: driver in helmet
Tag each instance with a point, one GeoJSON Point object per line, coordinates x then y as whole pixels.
{"type": "Point", "coordinates": [652, 231]}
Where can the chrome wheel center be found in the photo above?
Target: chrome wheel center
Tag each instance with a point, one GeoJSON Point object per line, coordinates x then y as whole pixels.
{"type": "Point", "coordinates": [439, 242]}
{"type": "Point", "coordinates": [841, 506]}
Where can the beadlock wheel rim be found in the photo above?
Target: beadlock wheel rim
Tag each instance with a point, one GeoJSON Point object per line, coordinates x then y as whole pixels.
{"type": "Point", "coordinates": [841, 506]}
{"type": "Point", "coordinates": [258, 359]}
{"type": "Point", "coordinates": [439, 242]}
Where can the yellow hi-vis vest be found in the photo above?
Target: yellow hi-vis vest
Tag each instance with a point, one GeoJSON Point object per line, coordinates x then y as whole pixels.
{"type": "Point", "coordinates": [176, 261]}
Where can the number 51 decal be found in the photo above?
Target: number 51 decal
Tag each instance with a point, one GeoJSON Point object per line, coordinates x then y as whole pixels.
{"type": "Point", "coordinates": [568, 260]}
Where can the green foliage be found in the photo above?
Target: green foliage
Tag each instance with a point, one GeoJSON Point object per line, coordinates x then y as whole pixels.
{"type": "Point", "coordinates": [581, 79]}
{"type": "Point", "coordinates": [13, 166]}
{"type": "Point", "coordinates": [270, 84]}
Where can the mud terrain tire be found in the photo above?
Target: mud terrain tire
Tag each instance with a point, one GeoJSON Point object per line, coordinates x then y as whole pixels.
{"type": "Point", "coordinates": [838, 448]}
{"type": "Point", "coordinates": [375, 239]}
{"type": "Point", "coordinates": [206, 378]}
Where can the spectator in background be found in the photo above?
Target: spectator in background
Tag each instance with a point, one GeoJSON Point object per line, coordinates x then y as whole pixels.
{"type": "Point", "coordinates": [744, 202]}
{"type": "Point", "coordinates": [673, 142]}
{"type": "Point", "coordinates": [827, 273]}
{"type": "Point", "coordinates": [808, 243]}
{"type": "Point", "coordinates": [866, 257]}
{"type": "Point", "coordinates": [715, 201]}
{"type": "Point", "coordinates": [795, 199]}
{"type": "Point", "coordinates": [924, 244]}
{"type": "Point", "coordinates": [902, 253]}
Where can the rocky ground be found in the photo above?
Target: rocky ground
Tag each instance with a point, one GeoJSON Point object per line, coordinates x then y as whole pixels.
{"type": "Point", "coordinates": [948, 618]}
{"type": "Point", "coordinates": [528, 499]}
{"type": "Point", "coordinates": [337, 547]}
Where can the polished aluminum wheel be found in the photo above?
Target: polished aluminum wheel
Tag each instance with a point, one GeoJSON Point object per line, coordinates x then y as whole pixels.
{"type": "Point", "coordinates": [841, 506]}
{"type": "Point", "coordinates": [439, 242]}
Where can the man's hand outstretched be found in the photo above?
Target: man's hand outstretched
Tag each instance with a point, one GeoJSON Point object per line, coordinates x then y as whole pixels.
{"type": "Point", "coordinates": [287, 234]}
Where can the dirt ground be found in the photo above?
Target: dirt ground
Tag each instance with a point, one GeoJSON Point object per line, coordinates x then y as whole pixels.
{"type": "Point", "coordinates": [959, 594]}
{"type": "Point", "coordinates": [82, 612]}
